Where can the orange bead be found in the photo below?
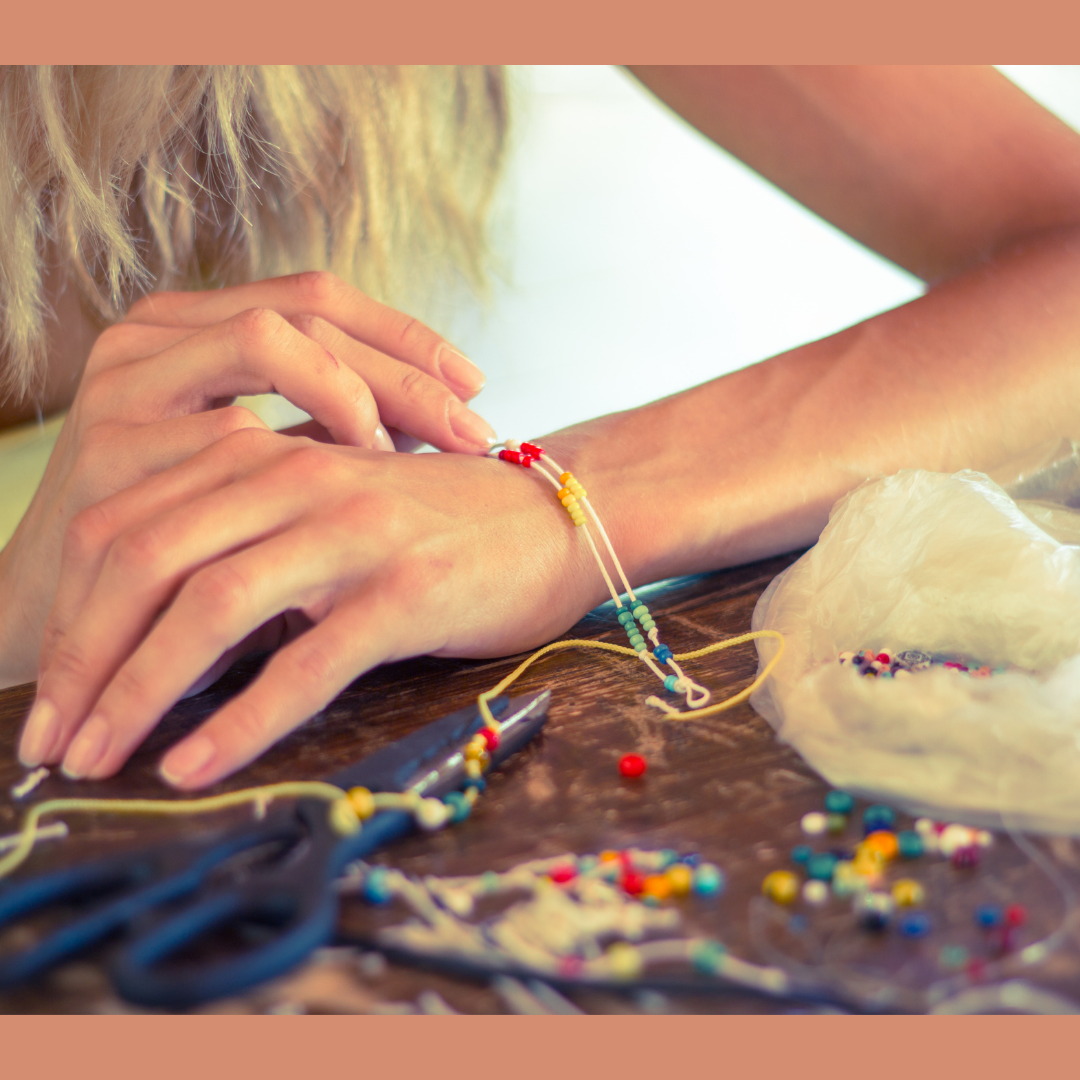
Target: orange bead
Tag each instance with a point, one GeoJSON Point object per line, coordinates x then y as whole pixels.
{"type": "Point", "coordinates": [658, 886]}
{"type": "Point", "coordinates": [882, 842]}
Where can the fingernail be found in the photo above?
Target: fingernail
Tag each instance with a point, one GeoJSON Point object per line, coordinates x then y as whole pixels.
{"type": "Point", "coordinates": [461, 371]}
{"type": "Point", "coordinates": [382, 440]}
{"type": "Point", "coordinates": [86, 749]}
{"type": "Point", "coordinates": [465, 424]}
{"type": "Point", "coordinates": [186, 759]}
{"type": "Point", "coordinates": [42, 727]}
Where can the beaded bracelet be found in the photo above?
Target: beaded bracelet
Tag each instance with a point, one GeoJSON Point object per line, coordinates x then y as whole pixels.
{"type": "Point", "coordinates": [634, 616]}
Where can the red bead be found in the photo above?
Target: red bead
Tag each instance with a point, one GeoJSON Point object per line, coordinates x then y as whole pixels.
{"type": "Point", "coordinates": [882, 657]}
{"type": "Point", "coordinates": [509, 455]}
{"type": "Point", "coordinates": [976, 969]}
{"type": "Point", "coordinates": [1015, 915]}
{"type": "Point", "coordinates": [533, 449]}
{"type": "Point", "coordinates": [562, 874]}
{"type": "Point", "coordinates": [964, 858]}
{"type": "Point", "coordinates": [491, 737]}
{"type": "Point", "coordinates": [633, 882]}
{"type": "Point", "coordinates": [570, 966]}
{"type": "Point", "coordinates": [632, 765]}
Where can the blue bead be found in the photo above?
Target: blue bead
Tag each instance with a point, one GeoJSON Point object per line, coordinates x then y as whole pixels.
{"type": "Point", "coordinates": [459, 806]}
{"type": "Point", "coordinates": [708, 880]}
{"type": "Point", "coordinates": [820, 867]}
{"type": "Point", "coordinates": [839, 802]}
{"type": "Point", "coordinates": [914, 924]}
{"type": "Point", "coordinates": [877, 817]}
{"type": "Point", "coordinates": [376, 889]}
{"type": "Point", "coordinates": [477, 782]}
{"type": "Point", "coordinates": [988, 916]}
{"type": "Point", "coordinates": [707, 956]}
{"type": "Point", "coordinates": [800, 853]}
{"type": "Point", "coordinates": [669, 683]}
{"type": "Point", "coordinates": [693, 859]}
{"type": "Point", "coordinates": [662, 653]}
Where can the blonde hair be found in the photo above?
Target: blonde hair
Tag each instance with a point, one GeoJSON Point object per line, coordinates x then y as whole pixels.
{"type": "Point", "coordinates": [196, 177]}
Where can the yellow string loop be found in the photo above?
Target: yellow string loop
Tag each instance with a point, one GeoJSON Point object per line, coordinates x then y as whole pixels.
{"type": "Point", "coordinates": [296, 789]}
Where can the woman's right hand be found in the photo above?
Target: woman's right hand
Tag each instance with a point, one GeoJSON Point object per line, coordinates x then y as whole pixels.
{"type": "Point", "coordinates": [158, 388]}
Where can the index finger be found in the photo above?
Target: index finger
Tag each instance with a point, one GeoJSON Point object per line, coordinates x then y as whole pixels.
{"type": "Point", "coordinates": [318, 292]}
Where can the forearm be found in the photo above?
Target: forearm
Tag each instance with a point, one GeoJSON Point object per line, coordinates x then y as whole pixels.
{"type": "Point", "coordinates": [746, 466]}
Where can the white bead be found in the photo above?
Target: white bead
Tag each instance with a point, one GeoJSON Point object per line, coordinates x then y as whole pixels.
{"type": "Point", "coordinates": [815, 892]}
{"type": "Point", "coordinates": [814, 823]}
{"type": "Point", "coordinates": [846, 657]}
{"type": "Point", "coordinates": [924, 826]}
{"type": "Point", "coordinates": [954, 837]}
{"type": "Point", "coordinates": [431, 814]}
{"type": "Point", "coordinates": [983, 838]}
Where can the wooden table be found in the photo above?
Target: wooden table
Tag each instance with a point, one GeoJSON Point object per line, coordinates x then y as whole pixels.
{"type": "Point", "coordinates": [723, 786]}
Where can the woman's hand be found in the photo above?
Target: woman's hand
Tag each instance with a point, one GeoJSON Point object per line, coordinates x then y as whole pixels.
{"type": "Point", "coordinates": [339, 557]}
{"type": "Point", "coordinates": [152, 396]}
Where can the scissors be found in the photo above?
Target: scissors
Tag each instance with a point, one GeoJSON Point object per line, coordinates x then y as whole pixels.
{"type": "Point", "coordinates": [281, 876]}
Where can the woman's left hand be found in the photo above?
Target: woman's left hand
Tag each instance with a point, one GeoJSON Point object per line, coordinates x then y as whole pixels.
{"type": "Point", "coordinates": [339, 558]}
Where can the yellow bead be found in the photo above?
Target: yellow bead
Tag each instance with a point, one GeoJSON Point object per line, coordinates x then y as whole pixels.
{"type": "Point", "coordinates": [609, 856]}
{"type": "Point", "coordinates": [362, 801]}
{"type": "Point", "coordinates": [567, 499]}
{"type": "Point", "coordinates": [680, 878]}
{"type": "Point", "coordinates": [908, 893]}
{"type": "Point", "coordinates": [625, 961]}
{"type": "Point", "coordinates": [471, 795]}
{"type": "Point", "coordinates": [343, 818]}
{"type": "Point", "coordinates": [472, 769]}
{"type": "Point", "coordinates": [781, 886]}
{"type": "Point", "coordinates": [473, 751]}
{"type": "Point", "coordinates": [885, 843]}
{"type": "Point", "coordinates": [656, 885]}
{"type": "Point", "coordinates": [566, 477]}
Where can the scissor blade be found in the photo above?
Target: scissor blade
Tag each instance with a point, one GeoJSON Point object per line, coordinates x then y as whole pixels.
{"type": "Point", "coordinates": [430, 759]}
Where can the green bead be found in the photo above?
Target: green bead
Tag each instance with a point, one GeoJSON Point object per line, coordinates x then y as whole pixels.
{"type": "Point", "coordinates": [707, 956]}
{"type": "Point", "coordinates": [647, 623]}
{"type": "Point", "coordinates": [835, 823]}
{"type": "Point", "coordinates": [909, 844]}
{"type": "Point", "coordinates": [625, 617]}
{"type": "Point", "coordinates": [839, 802]}
{"type": "Point", "coordinates": [458, 805]}
{"type": "Point", "coordinates": [640, 610]}
{"type": "Point", "coordinates": [640, 646]}
{"type": "Point", "coordinates": [636, 640]}
{"type": "Point", "coordinates": [820, 866]}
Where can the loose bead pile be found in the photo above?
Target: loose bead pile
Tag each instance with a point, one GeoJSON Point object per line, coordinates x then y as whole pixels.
{"type": "Point", "coordinates": [886, 664]}
{"type": "Point", "coordinates": [581, 919]}
{"type": "Point", "coordinates": [634, 616]}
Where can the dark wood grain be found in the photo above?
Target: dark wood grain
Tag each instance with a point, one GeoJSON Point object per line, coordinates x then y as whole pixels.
{"type": "Point", "coordinates": [723, 786]}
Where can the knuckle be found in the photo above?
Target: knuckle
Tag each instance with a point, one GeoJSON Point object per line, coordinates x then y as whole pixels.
{"type": "Point", "coordinates": [419, 391]}
{"type": "Point", "coordinates": [219, 591]}
{"type": "Point", "coordinates": [319, 287]}
{"type": "Point", "coordinates": [311, 666]}
{"type": "Point", "coordinates": [97, 393]}
{"type": "Point", "coordinates": [89, 531]}
{"type": "Point", "coordinates": [70, 663]}
{"type": "Point", "coordinates": [251, 441]}
{"type": "Point", "coordinates": [139, 552]}
{"type": "Point", "coordinates": [313, 462]}
{"type": "Point", "coordinates": [131, 687]}
{"type": "Point", "coordinates": [256, 328]}
{"type": "Point", "coordinates": [232, 419]}
{"type": "Point", "coordinates": [414, 338]}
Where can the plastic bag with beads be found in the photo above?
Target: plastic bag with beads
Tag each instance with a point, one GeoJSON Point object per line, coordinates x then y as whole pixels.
{"type": "Point", "coordinates": [968, 599]}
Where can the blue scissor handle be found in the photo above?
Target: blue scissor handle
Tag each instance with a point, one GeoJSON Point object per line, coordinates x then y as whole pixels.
{"type": "Point", "coordinates": [299, 898]}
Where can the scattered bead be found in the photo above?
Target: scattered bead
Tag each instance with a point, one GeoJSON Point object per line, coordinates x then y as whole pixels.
{"type": "Point", "coordinates": [883, 843]}
{"type": "Point", "coordinates": [953, 837]}
{"type": "Point", "coordinates": [814, 823]}
{"type": "Point", "coordinates": [836, 823]}
{"type": "Point", "coordinates": [847, 881]}
{"type": "Point", "coordinates": [1015, 915]}
{"type": "Point", "coordinates": [562, 874]}
{"type": "Point", "coordinates": [909, 844]}
{"type": "Point", "coordinates": [801, 853]}
{"type": "Point", "coordinates": [633, 882]}
{"type": "Point", "coordinates": [876, 818]}
{"type": "Point", "coordinates": [839, 802]}
{"type": "Point", "coordinates": [965, 858]}
{"type": "Point", "coordinates": [914, 924]}
{"type": "Point", "coordinates": [708, 880]}
{"type": "Point", "coordinates": [820, 866]}
{"type": "Point", "coordinates": [908, 893]}
{"type": "Point", "coordinates": [632, 766]}
{"type": "Point", "coordinates": [815, 892]}
{"type": "Point", "coordinates": [989, 916]}
{"type": "Point", "coordinates": [873, 909]}
{"type": "Point", "coordinates": [781, 886]}
{"type": "Point", "coordinates": [953, 957]}
{"type": "Point", "coordinates": [656, 886]}
{"type": "Point", "coordinates": [680, 879]}
{"type": "Point", "coordinates": [924, 825]}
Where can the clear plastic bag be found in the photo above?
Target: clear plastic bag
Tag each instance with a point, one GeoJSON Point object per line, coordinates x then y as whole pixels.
{"type": "Point", "coordinates": [944, 565]}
